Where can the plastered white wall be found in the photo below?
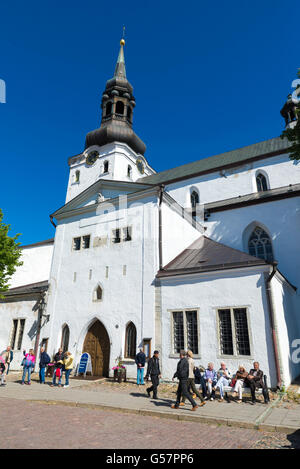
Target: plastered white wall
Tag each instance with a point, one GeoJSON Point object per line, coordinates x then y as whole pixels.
{"type": "Point", "coordinates": [207, 293]}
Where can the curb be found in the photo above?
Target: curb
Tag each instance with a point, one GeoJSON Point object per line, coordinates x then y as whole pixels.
{"type": "Point", "coordinates": [176, 416]}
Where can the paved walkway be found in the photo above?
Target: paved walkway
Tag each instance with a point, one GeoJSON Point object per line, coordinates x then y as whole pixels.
{"type": "Point", "coordinates": [260, 416]}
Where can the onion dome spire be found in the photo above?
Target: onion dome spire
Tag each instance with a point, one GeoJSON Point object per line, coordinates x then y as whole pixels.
{"type": "Point", "coordinates": [117, 106]}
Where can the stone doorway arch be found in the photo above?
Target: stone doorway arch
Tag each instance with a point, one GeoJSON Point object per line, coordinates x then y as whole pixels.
{"type": "Point", "coordinates": [97, 344]}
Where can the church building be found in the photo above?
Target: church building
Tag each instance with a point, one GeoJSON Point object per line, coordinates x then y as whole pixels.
{"type": "Point", "coordinates": [204, 256]}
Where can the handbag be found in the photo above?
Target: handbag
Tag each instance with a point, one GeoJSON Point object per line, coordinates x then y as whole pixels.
{"type": "Point", "coordinates": [23, 362]}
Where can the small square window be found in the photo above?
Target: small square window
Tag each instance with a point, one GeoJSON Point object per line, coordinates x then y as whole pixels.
{"type": "Point", "coordinates": [86, 242]}
{"type": "Point", "coordinates": [127, 233]}
{"type": "Point", "coordinates": [116, 236]}
{"type": "Point", "coordinates": [76, 244]}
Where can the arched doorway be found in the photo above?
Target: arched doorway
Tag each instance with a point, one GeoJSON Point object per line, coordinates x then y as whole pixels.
{"type": "Point", "coordinates": [97, 344]}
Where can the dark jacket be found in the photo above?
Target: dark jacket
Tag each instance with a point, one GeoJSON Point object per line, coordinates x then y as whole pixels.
{"type": "Point", "coordinates": [140, 359]}
{"type": "Point", "coordinates": [153, 367]}
{"type": "Point", "coordinates": [44, 360]}
{"type": "Point", "coordinates": [258, 379]}
{"type": "Point", "coordinates": [58, 357]}
{"type": "Point", "coordinates": [182, 371]}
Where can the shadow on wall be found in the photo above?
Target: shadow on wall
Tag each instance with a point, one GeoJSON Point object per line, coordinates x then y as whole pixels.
{"type": "Point", "coordinates": [292, 320]}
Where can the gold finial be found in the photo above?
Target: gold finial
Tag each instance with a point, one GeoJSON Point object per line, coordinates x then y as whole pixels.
{"type": "Point", "coordinates": [122, 42]}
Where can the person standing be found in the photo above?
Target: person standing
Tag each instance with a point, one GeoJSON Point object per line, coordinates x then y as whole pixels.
{"type": "Point", "coordinates": [182, 373]}
{"type": "Point", "coordinates": [8, 358]}
{"type": "Point", "coordinates": [28, 365]}
{"type": "Point", "coordinates": [153, 371]}
{"type": "Point", "coordinates": [58, 364]}
{"type": "Point", "coordinates": [191, 380]}
{"type": "Point", "coordinates": [140, 361]}
{"type": "Point", "coordinates": [44, 360]}
{"type": "Point", "coordinates": [2, 372]}
{"type": "Point", "coordinates": [68, 366]}
{"type": "Point", "coordinates": [255, 380]}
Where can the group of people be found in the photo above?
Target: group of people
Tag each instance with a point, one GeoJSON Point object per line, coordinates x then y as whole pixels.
{"type": "Point", "coordinates": [62, 365]}
{"type": "Point", "coordinates": [210, 379]}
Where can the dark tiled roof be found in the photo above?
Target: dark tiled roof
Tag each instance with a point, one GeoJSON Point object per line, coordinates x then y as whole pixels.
{"type": "Point", "coordinates": [37, 287]}
{"type": "Point", "coordinates": [292, 190]}
{"type": "Point", "coordinates": [40, 243]}
{"type": "Point", "coordinates": [206, 255]}
{"type": "Point", "coordinates": [217, 162]}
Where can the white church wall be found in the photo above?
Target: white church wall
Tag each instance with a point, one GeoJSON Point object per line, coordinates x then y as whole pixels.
{"type": "Point", "coordinates": [128, 295]}
{"type": "Point", "coordinates": [287, 325]}
{"type": "Point", "coordinates": [207, 293]}
{"type": "Point", "coordinates": [240, 180]}
{"type": "Point", "coordinates": [36, 265]}
{"type": "Point", "coordinates": [281, 219]}
{"type": "Point", "coordinates": [18, 309]}
{"type": "Point", "coordinates": [118, 156]}
{"type": "Point", "coordinates": [177, 233]}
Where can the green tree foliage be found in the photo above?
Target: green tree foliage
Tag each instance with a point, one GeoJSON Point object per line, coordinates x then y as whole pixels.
{"type": "Point", "coordinates": [10, 253]}
{"type": "Point", "coordinates": [293, 135]}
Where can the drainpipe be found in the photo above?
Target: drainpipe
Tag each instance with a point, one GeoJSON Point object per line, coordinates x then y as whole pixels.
{"type": "Point", "coordinates": [160, 193]}
{"type": "Point", "coordinates": [39, 325]}
{"type": "Point", "coordinates": [271, 305]}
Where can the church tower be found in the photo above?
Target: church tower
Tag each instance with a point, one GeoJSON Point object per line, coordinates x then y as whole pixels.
{"type": "Point", "coordinates": [113, 151]}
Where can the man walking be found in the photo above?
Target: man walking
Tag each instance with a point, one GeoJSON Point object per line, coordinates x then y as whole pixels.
{"type": "Point", "coordinates": [191, 380]}
{"type": "Point", "coordinates": [153, 371]}
{"type": "Point", "coordinates": [255, 380]}
{"type": "Point", "coordinates": [182, 373]}
{"type": "Point", "coordinates": [140, 361]}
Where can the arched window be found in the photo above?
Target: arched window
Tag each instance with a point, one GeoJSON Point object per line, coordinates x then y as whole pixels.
{"type": "Point", "coordinates": [105, 167]}
{"type": "Point", "coordinates": [65, 338]}
{"type": "Point", "coordinates": [129, 112]}
{"type": "Point", "coordinates": [98, 293]}
{"type": "Point", "coordinates": [77, 176]}
{"type": "Point", "coordinates": [129, 171]}
{"type": "Point", "coordinates": [120, 107]}
{"type": "Point", "coordinates": [108, 109]}
{"type": "Point", "coordinates": [194, 202]}
{"type": "Point", "coordinates": [261, 182]}
{"type": "Point", "coordinates": [259, 245]}
{"type": "Point", "coordinates": [130, 341]}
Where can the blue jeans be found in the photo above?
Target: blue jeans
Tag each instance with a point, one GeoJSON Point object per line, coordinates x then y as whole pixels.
{"type": "Point", "coordinates": [54, 376]}
{"type": "Point", "coordinates": [220, 384]}
{"type": "Point", "coordinates": [67, 374]}
{"type": "Point", "coordinates": [42, 374]}
{"type": "Point", "coordinates": [140, 376]}
{"type": "Point", "coordinates": [26, 369]}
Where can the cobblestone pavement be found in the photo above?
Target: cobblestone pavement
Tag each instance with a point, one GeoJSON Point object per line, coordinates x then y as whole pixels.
{"type": "Point", "coordinates": [26, 424]}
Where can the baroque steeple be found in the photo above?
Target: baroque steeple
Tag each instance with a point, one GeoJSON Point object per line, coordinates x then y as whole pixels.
{"type": "Point", "coordinates": [117, 111]}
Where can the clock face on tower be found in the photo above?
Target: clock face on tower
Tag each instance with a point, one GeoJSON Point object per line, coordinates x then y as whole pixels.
{"type": "Point", "coordinates": [140, 166]}
{"type": "Point", "coordinates": [92, 157]}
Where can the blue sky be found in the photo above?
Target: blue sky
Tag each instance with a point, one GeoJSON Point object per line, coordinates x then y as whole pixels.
{"type": "Point", "coordinates": [208, 77]}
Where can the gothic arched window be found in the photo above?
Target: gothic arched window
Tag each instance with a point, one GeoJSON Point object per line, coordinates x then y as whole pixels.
{"type": "Point", "coordinates": [65, 338]}
{"type": "Point", "coordinates": [259, 245]}
{"type": "Point", "coordinates": [98, 293]}
{"type": "Point", "coordinates": [194, 202]}
{"type": "Point", "coordinates": [120, 107]}
{"type": "Point", "coordinates": [129, 171]}
{"type": "Point", "coordinates": [130, 341]}
{"type": "Point", "coordinates": [108, 109]}
{"type": "Point", "coordinates": [261, 182]}
{"type": "Point", "coordinates": [105, 167]}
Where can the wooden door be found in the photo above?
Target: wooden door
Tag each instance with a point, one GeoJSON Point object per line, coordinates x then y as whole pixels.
{"type": "Point", "coordinates": [97, 345]}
